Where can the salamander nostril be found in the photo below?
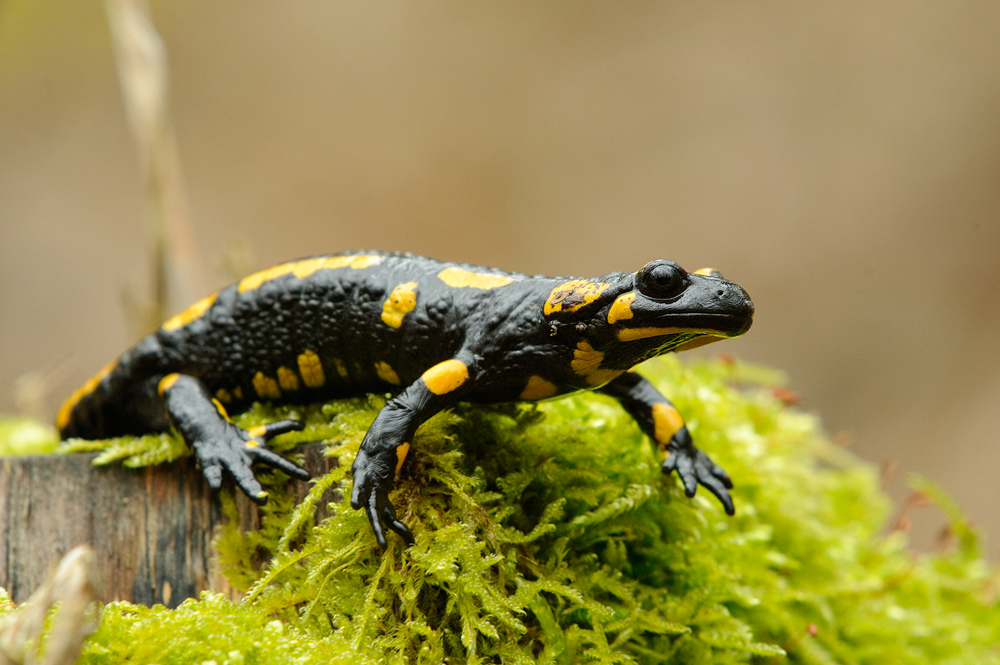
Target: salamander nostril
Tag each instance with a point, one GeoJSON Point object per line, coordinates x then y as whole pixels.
{"type": "Point", "coordinates": [720, 293]}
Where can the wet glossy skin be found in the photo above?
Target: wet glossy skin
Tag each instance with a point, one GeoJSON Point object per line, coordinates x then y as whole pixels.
{"type": "Point", "coordinates": [433, 333]}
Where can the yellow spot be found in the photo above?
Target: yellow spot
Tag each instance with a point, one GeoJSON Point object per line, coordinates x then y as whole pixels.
{"type": "Point", "coordinates": [401, 452]}
{"type": "Point", "coordinates": [538, 388]}
{"type": "Point", "coordinates": [190, 314]}
{"type": "Point", "coordinates": [666, 421]}
{"type": "Point", "coordinates": [238, 392]}
{"type": "Point", "coordinates": [586, 358]}
{"type": "Point", "coordinates": [258, 431]}
{"type": "Point", "coordinates": [708, 272]}
{"type": "Point", "coordinates": [446, 376]}
{"type": "Point", "coordinates": [461, 278]}
{"type": "Point", "coordinates": [311, 369]}
{"type": "Point", "coordinates": [166, 382]}
{"type": "Point", "coordinates": [341, 367]}
{"type": "Point", "coordinates": [400, 302]}
{"type": "Point", "coordinates": [587, 363]}
{"type": "Point", "coordinates": [287, 379]}
{"type": "Point", "coordinates": [262, 494]}
{"type": "Point", "coordinates": [621, 309]}
{"type": "Point", "coordinates": [223, 395]}
{"type": "Point", "coordinates": [571, 296]}
{"type": "Point", "coordinates": [266, 387]}
{"type": "Point", "coordinates": [251, 444]}
{"type": "Point", "coordinates": [386, 373]}
{"type": "Point", "coordinates": [306, 267]}
{"type": "Point", "coordinates": [66, 410]}
{"type": "Point", "coordinates": [221, 409]}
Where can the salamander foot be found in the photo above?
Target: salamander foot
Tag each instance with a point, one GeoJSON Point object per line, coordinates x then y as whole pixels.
{"type": "Point", "coordinates": [696, 468]}
{"type": "Point", "coordinates": [373, 477]}
{"type": "Point", "coordinates": [234, 450]}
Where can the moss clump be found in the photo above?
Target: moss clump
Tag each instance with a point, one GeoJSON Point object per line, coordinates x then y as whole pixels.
{"type": "Point", "coordinates": [546, 534]}
{"type": "Point", "coordinates": [20, 435]}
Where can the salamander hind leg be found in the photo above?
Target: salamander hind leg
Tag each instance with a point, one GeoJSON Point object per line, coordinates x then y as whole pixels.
{"type": "Point", "coordinates": [220, 446]}
{"type": "Point", "coordinates": [664, 425]}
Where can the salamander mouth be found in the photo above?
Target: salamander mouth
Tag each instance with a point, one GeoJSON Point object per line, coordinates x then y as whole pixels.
{"type": "Point", "coordinates": [719, 324]}
{"type": "Point", "coordinates": [691, 324]}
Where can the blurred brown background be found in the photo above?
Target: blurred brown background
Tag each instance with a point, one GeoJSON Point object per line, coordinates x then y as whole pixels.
{"type": "Point", "coordinates": [841, 160]}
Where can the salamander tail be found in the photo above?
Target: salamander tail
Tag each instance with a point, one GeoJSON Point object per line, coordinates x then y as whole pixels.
{"type": "Point", "coordinates": [87, 413]}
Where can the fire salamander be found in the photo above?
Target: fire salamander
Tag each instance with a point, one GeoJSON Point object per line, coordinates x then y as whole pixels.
{"type": "Point", "coordinates": [432, 333]}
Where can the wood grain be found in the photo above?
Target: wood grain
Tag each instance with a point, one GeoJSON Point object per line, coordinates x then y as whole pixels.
{"type": "Point", "coordinates": [151, 528]}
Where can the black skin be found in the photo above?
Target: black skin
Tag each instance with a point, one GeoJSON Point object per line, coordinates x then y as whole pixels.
{"type": "Point", "coordinates": [486, 336]}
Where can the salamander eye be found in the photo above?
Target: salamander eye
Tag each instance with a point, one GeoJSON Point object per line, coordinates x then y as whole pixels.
{"type": "Point", "coordinates": [661, 279]}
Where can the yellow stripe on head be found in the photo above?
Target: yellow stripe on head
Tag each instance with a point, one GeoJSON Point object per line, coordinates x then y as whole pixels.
{"type": "Point", "coordinates": [572, 295]}
{"type": "Point", "coordinates": [621, 309]}
{"type": "Point", "coordinates": [632, 334]}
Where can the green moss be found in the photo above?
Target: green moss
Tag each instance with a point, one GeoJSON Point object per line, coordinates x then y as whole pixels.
{"type": "Point", "coordinates": [23, 436]}
{"type": "Point", "coordinates": [546, 534]}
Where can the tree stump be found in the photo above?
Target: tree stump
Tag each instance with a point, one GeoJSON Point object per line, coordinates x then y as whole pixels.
{"type": "Point", "coordinates": [151, 528]}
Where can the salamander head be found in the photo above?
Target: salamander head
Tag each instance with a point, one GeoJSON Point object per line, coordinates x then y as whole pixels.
{"type": "Point", "coordinates": [660, 308]}
{"type": "Point", "coordinates": [668, 301]}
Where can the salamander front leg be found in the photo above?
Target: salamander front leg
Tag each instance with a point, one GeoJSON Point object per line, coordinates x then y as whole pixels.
{"type": "Point", "coordinates": [388, 440]}
{"type": "Point", "coordinates": [379, 459]}
{"type": "Point", "coordinates": [664, 425]}
{"type": "Point", "coordinates": [220, 446]}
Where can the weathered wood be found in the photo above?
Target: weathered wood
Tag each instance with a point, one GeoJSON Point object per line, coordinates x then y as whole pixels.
{"type": "Point", "coordinates": [151, 528]}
